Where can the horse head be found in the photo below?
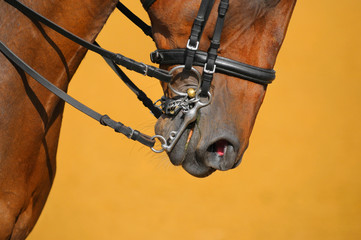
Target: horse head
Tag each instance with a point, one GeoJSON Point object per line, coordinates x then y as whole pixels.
{"type": "Point", "coordinates": [253, 33]}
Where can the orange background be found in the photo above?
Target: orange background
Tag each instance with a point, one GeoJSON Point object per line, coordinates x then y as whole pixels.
{"type": "Point", "coordinates": [300, 177]}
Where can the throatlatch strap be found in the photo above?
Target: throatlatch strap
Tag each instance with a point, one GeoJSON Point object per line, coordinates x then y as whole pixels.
{"type": "Point", "coordinates": [135, 19]}
{"type": "Point", "coordinates": [130, 64]}
{"type": "Point", "coordinates": [103, 119]}
{"type": "Point", "coordinates": [210, 67]}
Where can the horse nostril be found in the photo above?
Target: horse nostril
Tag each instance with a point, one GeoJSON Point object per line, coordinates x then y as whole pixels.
{"type": "Point", "coordinates": [220, 155]}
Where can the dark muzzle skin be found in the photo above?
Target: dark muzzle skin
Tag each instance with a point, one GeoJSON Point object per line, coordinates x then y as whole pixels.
{"type": "Point", "coordinates": [219, 136]}
{"type": "Point", "coordinates": [203, 147]}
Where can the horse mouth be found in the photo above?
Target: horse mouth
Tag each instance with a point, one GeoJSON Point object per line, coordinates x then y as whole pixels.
{"type": "Point", "coordinates": [201, 161]}
{"type": "Point", "coordinates": [221, 155]}
{"type": "Point", "coordinates": [219, 148]}
{"type": "Point", "coordinates": [218, 153]}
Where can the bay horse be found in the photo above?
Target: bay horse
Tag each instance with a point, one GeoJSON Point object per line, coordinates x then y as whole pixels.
{"type": "Point", "coordinates": [30, 116]}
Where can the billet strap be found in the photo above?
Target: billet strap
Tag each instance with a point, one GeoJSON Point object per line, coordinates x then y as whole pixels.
{"type": "Point", "coordinates": [130, 64]}
{"type": "Point", "coordinates": [103, 119]}
{"type": "Point", "coordinates": [196, 32]}
{"type": "Point", "coordinates": [135, 19]}
{"type": "Point", "coordinates": [223, 65]}
{"type": "Point", "coordinates": [210, 66]}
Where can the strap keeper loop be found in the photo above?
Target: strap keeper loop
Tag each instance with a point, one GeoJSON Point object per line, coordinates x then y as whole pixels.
{"type": "Point", "coordinates": [215, 45]}
{"type": "Point", "coordinates": [103, 119]}
{"type": "Point", "coordinates": [118, 128]}
{"type": "Point", "coordinates": [131, 133]}
{"type": "Point", "coordinates": [222, 9]}
{"type": "Point", "coordinates": [146, 68]}
{"type": "Point", "coordinates": [156, 57]}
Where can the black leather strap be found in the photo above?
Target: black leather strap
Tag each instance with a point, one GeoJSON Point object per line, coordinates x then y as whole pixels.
{"type": "Point", "coordinates": [196, 32]}
{"type": "Point", "coordinates": [210, 66]}
{"type": "Point", "coordinates": [135, 19]}
{"type": "Point", "coordinates": [147, 3]}
{"type": "Point", "coordinates": [103, 119]}
{"type": "Point", "coordinates": [223, 65]}
{"type": "Point", "coordinates": [139, 93]}
{"type": "Point", "coordinates": [130, 64]}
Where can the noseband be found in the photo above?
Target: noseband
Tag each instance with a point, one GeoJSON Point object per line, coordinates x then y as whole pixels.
{"type": "Point", "coordinates": [188, 103]}
{"type": "Point", "coordinates": [210, 61]}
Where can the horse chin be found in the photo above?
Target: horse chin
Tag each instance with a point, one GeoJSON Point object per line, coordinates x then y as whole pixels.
{"type": "Point", "coordinates": [196, 167]}
{"type": "Point", "coordinates": [190, 162]}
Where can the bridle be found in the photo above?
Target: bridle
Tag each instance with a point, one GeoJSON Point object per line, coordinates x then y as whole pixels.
{"type": "Point", "coordinates": [188, 103]}
{"type": "Point", "coordinates": [186, 58]}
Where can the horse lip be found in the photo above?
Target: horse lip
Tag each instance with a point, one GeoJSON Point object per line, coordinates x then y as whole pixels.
{"type": "Point", "coordinates": [196, 168]}
{"type": "Point", "coordinates": [202, 148]}
{"type": "Point", "coordinates": [181, 148]}
{"type": "Point", "coordinates": [191, 156]}
{"type": "Point", "coordinates": [238, 162]}
{"type": "Point", "coordinates": [188, 158]}
{"type": "Point", "coordinates": [207, 155]}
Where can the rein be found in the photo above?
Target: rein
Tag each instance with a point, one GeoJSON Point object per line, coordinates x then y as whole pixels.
{"type": "Point", "coordinates": [113, 59]}
{"type": "Point", "coordinates": [187, 103]}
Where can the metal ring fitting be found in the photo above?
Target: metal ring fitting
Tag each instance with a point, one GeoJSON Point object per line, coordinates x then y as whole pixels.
{"type": "Point", "coordinates": [162, 140]}
{"type": "Point", "coordinates": [198, 75]}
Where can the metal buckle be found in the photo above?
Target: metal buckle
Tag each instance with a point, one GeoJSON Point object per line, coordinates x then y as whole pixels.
{"type": "Point", "coordinates": [209, 71]}
{"type": "Point", "coordinates": [132, 133]}
{"type": "Point", "coordinates": [191, 47]}
{"type": "Point", "coordinates": [146, 69]}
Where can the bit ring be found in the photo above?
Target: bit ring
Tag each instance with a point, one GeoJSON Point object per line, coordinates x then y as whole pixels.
{"type": "Point", "coordinates": [198, 75]}
{"type": "Point", "coordinates": [162, 140]}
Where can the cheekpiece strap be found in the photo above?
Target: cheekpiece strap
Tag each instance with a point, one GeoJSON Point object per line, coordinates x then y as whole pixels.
{"type": "Point", "coordinates": [196, 32]}
{"type": "Point", "coordinates": [210, 66]}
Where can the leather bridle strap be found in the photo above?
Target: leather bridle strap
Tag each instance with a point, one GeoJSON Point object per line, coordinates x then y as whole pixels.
{"type": "Point", "coordinates": [210, 66]}
{"type": "Point", "coordinates": [135, 19]}
{"type": "Point", "coordinates": [147, 102]}
{"type": "Point", "coordinates": [103, 119]}
{"type": "Point", "coordinates": [210, 61]}
{"type": "Point", "coordinates": [223, 65]}
{"type": "Point", "coordinates": [119, 59]}
{"type": "Point", "coordinates": [196, 32]}
{"type": "Point", "coordinates": [147, 3]}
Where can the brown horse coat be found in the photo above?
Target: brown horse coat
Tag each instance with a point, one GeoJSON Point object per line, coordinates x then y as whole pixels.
{"type": "Point", "coordinates": [30, 116]}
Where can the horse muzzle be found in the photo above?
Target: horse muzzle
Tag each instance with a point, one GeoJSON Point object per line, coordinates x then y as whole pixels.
{"type": "Point", "coordinates": [202, 149]}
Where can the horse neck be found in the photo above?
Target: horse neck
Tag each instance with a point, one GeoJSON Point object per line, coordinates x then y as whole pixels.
{"type": "Point", "coordinates": [49, 53]}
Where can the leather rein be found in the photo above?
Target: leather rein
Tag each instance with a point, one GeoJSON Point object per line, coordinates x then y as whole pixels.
{"type": "Point", "coordinates": [186, 58]}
